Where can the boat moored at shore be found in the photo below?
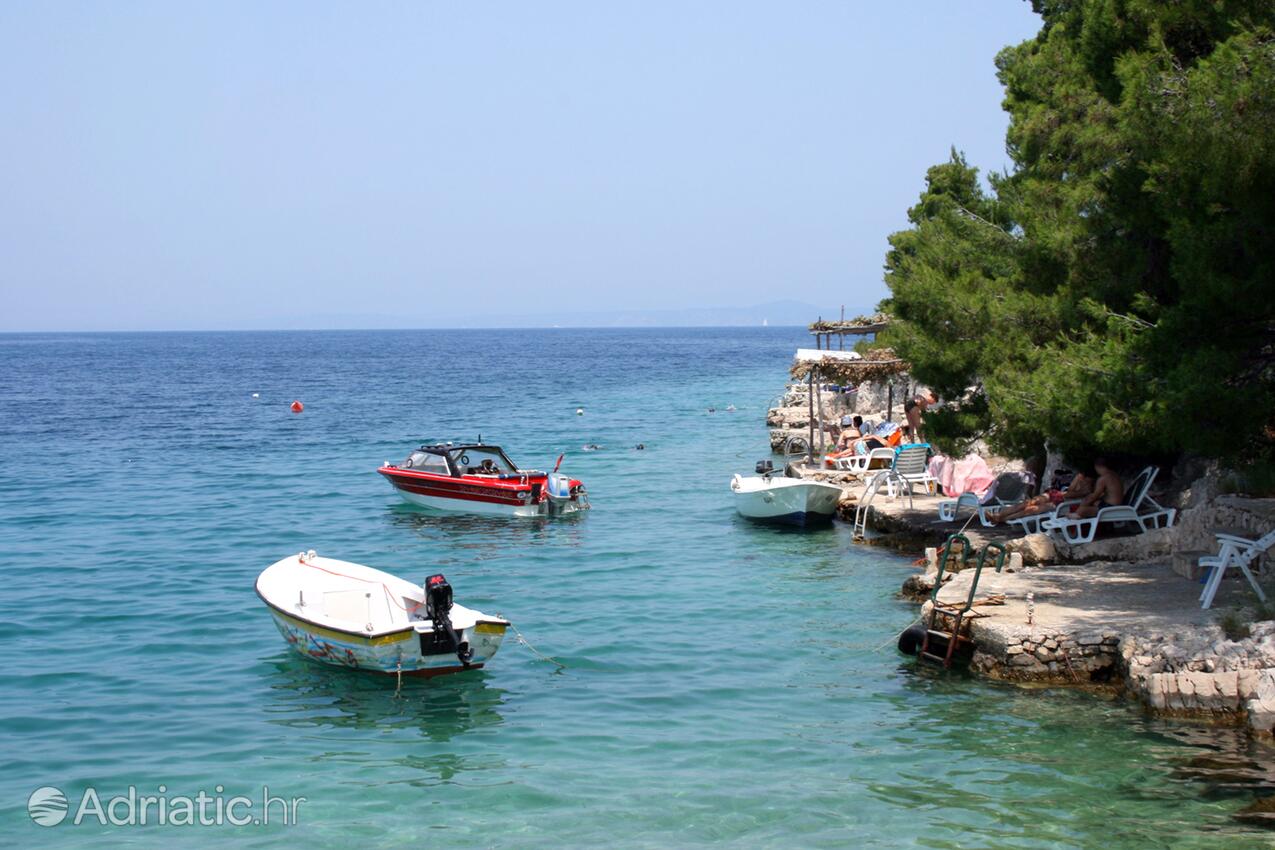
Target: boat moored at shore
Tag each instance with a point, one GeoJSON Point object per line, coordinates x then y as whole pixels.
{"type": "Point", "coordinates": [791, 501]}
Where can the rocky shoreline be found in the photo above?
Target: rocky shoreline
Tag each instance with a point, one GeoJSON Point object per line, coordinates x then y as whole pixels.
{"type": "Point", "coordinates": [1132, 626]}
{"type": "Point", "coordinates": [1120, 615]}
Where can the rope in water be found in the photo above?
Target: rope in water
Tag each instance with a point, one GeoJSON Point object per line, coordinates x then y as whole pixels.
{"type": "Point", "coordinates": [891, 640]}
{"type": "Point", "coordinates": [522, 640]}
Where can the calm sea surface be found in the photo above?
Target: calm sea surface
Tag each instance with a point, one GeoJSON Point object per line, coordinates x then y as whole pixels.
{"type": "Point", "coordinates": [723, 683]}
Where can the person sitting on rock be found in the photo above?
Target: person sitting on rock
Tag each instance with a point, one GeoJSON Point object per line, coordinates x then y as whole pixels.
{"type": "Point", "coordinates": [1108, 490]}
{"type": "Point", "coordinates": [1080, 487]}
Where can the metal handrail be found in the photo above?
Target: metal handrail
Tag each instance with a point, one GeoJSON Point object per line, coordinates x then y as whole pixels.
{"type": "Point", "coordinates": [943, 558]}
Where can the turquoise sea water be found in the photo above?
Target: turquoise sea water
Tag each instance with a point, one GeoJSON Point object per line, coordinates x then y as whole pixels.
{"type": "Point", "coordinates": [723, 683]}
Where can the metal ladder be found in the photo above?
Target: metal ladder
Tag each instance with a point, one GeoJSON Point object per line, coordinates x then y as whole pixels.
{"type": "Point", "coordinates": [865, 501]}
{"type": "Point", "coordinates": [945, 640]}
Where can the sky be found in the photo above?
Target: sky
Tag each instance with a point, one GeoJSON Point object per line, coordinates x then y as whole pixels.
{"type": "Point", "coordinates": [276, 165]}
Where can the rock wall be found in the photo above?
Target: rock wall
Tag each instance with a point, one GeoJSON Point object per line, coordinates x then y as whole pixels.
{"type": "Point", "coordinates": [1036, 655]}
{"type": "Point", "coordinates": [1196, 524]}
{"type": "Point", "coordinates": [1202, 674]}
{"type": "Point", "coordinates": [1195, 674]}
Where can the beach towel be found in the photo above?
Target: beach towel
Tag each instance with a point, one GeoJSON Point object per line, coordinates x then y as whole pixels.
{"type": "Point", "coordinates": [969, 474]}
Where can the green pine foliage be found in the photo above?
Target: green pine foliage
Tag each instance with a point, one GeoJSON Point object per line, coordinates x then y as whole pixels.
{"type": "Point", "coordinates": [1115, 291]}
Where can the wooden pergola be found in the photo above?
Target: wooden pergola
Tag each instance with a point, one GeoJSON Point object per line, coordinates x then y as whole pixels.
{"type": "Point", "coordinates": [879, 364]}
{"type": "Point", "coordinates": [844, 367]}
{"type": "Point", "coordinates": [823, 332]}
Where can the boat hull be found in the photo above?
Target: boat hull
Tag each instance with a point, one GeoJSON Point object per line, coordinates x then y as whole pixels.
{"type": "Point", "coordinates": [460, 495]}
{"type": "Point", "coordinates": [389, 653]}
{"type": "Point", "coordinates": [799, 504]}
{"type": "Point", "coordinates": [448, 504]}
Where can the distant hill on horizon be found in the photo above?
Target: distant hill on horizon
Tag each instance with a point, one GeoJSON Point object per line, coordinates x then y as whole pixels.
{"type": "Point", "coordinates": [781, 313]}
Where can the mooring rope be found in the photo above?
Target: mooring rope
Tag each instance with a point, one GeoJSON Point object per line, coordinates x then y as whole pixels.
{"type": "Point", "coordinates": [522, 640]}
{"type": "Point", "coordinates": [888, 641]}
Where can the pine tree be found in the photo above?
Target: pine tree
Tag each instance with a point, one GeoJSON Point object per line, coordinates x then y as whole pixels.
{"type": "Point", "coordinates": [1114, 292]}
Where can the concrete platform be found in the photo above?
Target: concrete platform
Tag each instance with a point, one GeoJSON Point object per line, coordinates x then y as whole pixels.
{"type": "Point", "coordinates": [1108, 597]}
{"type": "Point", "coordinates": [1136, 628]}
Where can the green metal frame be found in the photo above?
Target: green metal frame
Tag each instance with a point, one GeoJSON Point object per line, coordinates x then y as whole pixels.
{"type": "Point", "coordinates": [953, 637]}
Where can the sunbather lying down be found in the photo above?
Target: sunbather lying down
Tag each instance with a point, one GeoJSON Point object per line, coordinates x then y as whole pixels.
{"type": "Point", "coordinates": [853, 442]}
{"type": "Point", "coordinates": [858, 446]}
{"type": "Point", "coordinates": [1081, 487]}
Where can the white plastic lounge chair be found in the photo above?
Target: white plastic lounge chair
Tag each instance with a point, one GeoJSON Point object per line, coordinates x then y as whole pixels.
{"type": "Point", "coordinates": [949, 508]}
{"type": "Point", "coordinates": [1009, 488]}
{"type": "Point", "coordinates": [1234, 551]}
{"type": "Point", "coordinates": [1138, 506]}
{"type": "Point", "coordinates": [910, 466]}
{"type": "Point", "coordinates": [1032, 523]}
{"type": "Point", "coordinates": [875, 459]}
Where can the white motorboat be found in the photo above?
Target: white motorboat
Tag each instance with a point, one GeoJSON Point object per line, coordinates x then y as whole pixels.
{"type": "Point", "coordinates": [349, 615]}
{"type": "Point", "coordinates": [794, 501]}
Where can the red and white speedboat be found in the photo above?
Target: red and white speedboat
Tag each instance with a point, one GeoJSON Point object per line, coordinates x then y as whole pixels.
{"type": "Point", "coordinates": [482, 479]}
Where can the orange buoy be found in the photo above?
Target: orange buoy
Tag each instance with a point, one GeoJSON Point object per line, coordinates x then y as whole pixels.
{"type": "Point", "coordinates": [297, 407]}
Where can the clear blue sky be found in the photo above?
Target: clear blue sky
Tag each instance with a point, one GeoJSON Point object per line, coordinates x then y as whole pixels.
{"type": "Point", "coordinates": [226, 165]}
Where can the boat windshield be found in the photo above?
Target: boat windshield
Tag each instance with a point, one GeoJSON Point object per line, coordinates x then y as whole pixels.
{"type": "Point", "coordinates": [427, 462]}
{"type": "Point", "coordinates": [481, 460]}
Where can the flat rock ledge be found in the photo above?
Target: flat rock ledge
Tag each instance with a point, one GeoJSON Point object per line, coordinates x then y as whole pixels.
{"type": "Point", "coordinates": [1122, 627]}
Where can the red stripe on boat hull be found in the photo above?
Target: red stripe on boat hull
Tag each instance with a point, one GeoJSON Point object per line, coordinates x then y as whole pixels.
{"type": "Point", "coordinates": [457, 488]}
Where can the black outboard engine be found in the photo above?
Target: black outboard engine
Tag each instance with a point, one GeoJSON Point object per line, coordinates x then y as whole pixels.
{"type": "Point", "coordinates": [765, 467]}
{"type": "Point", "coordinates": [438, 606]}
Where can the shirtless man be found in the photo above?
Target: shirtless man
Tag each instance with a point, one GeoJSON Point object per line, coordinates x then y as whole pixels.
{"type": "Point", "coordinates": [1108, 490]}
{"type": "Point", "coordinates": [913, 408]}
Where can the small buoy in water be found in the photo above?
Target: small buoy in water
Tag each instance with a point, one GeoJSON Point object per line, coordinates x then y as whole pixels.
{"type": "Point", "coordinates": [911, 638]}
{"type": "Point", "coordinates": [730, 408]}
{"type": "Point", "coordinates": [296, 407]}
{"type": "Point", "coordinates": [579, 411]}
{"type": "Point", "coordinates": [256, 395]}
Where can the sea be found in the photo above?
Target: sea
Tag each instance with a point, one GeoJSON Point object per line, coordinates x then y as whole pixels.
{"type": "Point", "coordinates": [680, 677]}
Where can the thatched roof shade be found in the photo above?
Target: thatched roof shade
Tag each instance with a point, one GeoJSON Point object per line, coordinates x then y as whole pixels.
{"type": "Point", "coordinates": [858, 326]}
{"type": "Point", "coordinates": [880, 364]}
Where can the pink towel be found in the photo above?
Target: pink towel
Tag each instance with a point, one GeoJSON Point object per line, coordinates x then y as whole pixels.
{"type": "Point", "coordinates": [967, 475]}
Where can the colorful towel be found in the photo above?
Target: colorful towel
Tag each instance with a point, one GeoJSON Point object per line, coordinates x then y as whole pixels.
{"type": "Point", "coordinates": [967, 475]}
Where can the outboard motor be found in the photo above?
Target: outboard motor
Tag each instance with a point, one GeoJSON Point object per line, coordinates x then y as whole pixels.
{"type": "Point", "coordinates": [558, 492]}
{"type": "Point", "coordinates": [558, 485]}
{"type": "Point", "coordinates": [438, 606]}
{"type": "Point", "coordinates": [765, 467]}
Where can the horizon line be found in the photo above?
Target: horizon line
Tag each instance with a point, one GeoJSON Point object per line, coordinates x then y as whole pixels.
{"type": "Point", "coordinates": [423, 328]}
